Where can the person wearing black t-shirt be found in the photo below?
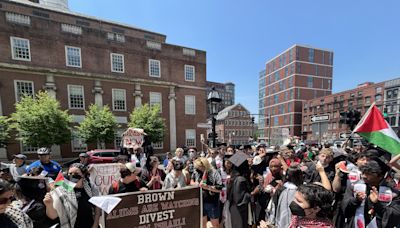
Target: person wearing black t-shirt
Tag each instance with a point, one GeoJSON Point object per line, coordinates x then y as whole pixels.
{"type": "Point", "coordinates": [129, 182]}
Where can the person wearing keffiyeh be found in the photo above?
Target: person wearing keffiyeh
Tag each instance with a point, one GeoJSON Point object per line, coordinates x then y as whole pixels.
{"type": "Point", "coordinates": [72, 207]}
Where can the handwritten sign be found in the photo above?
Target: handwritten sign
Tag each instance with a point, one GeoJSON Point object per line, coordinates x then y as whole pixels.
{"type": "Point", "coordinates": [103, 175]}
{"type": "Point", "coordinates": [133, 137]}
{"type": "Point", "coordinates": [157, 209]}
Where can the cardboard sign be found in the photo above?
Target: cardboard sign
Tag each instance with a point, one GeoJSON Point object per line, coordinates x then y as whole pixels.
{"type": "Point", "coordinates": [157, 209]}
{"type": "Point", "coordinates": [103, 175]}
{"type": "Point", "coordinates": [385, 194]}
{"type": "Point", "coordinates": [133, 137]}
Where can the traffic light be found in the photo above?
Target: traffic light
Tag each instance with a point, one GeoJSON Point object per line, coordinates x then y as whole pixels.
{"type": "Point", "coordinates": [252, 120]}
{"type": "Point", "coordinates": [385, 114]}
{"type": "Point", "coordinates": [343, 117]}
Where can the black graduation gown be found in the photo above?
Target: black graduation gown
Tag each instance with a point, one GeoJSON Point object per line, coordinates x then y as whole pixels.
{"type": "Point", "coordinates": [239, 198]}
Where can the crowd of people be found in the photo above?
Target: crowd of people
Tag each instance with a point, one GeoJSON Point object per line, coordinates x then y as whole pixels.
{"type": "Point", "coordinates": [294, 185]}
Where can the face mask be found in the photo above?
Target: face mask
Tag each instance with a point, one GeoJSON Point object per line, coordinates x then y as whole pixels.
{"type": "Point", "coordinates": [191, 154]}
{"type": "Point", "coordinates": [74, 178]}
{"type": "Point", "coordinates": [296, 209]}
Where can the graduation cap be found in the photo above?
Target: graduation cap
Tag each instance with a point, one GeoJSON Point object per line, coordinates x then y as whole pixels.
{"type": "Point", "coordinates": [33, 187]}
{"type": "Point", "coordinates": [238, 158]}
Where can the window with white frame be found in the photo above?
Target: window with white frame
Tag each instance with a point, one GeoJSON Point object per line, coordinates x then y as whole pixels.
{"type": "Point", "coordinates": [117, 63]}
{"type": "Point", "coordinates": [78, 144]}
{"type": "Point", "coordinates": [154, 68]}
{"type": "Point", "coordinates": [190, 105]}
{"type": "Point", "coordinates": [155, 98]}
{"type": "Point", "coordinates": [190, 137]}
{"type": "Point", "coordinates": [118, 139]}
{"type": "Point", "coordinates": [18, 18]}
{"type": "Point", "coordinates": [20, 49]}
{"type": "Point", "coordinates": [189, 73]}
{"type": "Point", "coordinates": [119, 99]}
{"type": "Point", "coordinates": [116, 36]}
{"type": "Point", "coordinates": [153, 45]}
{"type": "Point", "coordinates": [23, 88]}
{"type": "Point", "coordinates": [158, 145]}
{"type": "Point", "coordinates": [76, 98]}
{"type": "Point", "coordinates": [73, 56]}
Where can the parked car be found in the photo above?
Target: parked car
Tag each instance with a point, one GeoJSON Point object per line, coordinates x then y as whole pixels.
{"type": "Point", "coordinates": [102, 156]}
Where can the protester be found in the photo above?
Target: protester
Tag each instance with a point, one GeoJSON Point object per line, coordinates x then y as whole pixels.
{"type": "Point", "coordinates": [129, 182]}
{"type": "Point", "coordinates": [312, 174]}
{"type": "Point", "coordinates": [30, 191]}
{"type": "Point", "coordinates": [72, 207]}
{"type": "Point", "coordinates": [18, 167]}
{"type": "Point", "coordinates": [239, 198]}
{"type": "Point", "coordinates": [374, 202]}
{"type": "Point", "coordinates": [51, 167]}
{"type": "Point", "coordinates": [121, 159]}
{"type": "Point", "coordinates": [84, 159]}
{"type": "Point", "coordinates": [11, 215]}
{"type": "Point", "coordinates": [5, 174]}
{"type": "Point", "coordinates": [168, 157]}
{"type": "Point", "coordinates": [179, 155]}
{"type": "Point", "coordinates": [192, 152]}
{"type": "Point", "coordinates": [152, 175]}
{"type": "Point", "coordinates": [210, 181]}
{"type": "Point", "coordinates": [175, 178]}
{"type": "Point", "coordinates": [188, 171]}
{"type": "Point", "coordinates": [311, 207]}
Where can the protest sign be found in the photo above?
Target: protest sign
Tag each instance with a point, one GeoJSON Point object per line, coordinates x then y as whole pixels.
{"type": "Point", "coordinates": [103, 175]}
{"type": "Point", "coordinates": [157, 209]}
{"type": "Point", "coordinates": [133, 137]}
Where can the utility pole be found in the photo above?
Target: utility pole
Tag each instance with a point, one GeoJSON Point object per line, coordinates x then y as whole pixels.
{"type": "Point", "coordinates": [269, 130]}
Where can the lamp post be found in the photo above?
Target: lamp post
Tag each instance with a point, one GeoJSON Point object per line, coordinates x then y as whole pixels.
{"type": "Point", "coordinates": [213, 100]}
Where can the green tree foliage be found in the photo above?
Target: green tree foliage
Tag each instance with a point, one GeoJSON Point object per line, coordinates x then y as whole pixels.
{"type": "Point", "coordinates": [98, 126]}
{"type": "Point", "coordinates": [40, 121]}
{"type": "Point", "coordinates": [4, 130]}
{"type": "Point", "coordinates": [149, 119]}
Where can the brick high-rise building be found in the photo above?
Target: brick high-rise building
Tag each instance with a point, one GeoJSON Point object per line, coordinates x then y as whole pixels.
{"type": "Point", "coordinates": [392, 103]}
{"type": "Point", "coordinates": [82, 60]}
{"type": "Point", "coordinates": [359, 98]}
{"type": "Point", "coordinates": [298, 74]}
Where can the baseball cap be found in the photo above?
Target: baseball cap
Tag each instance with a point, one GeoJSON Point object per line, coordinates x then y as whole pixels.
{"type": "Point", "coordinates": [85, 155]}
{"type": "Point", "coordinates": [132, 167]}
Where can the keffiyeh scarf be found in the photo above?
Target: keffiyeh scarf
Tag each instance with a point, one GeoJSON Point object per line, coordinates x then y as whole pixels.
{"type": "Point", "coordinates": [18, 217]}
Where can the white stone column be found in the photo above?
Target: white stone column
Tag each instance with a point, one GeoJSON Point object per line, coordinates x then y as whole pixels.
{"type": "Point", "coordinates": [138, 95]}
{"type": "Point", "coordinates": [98, 93]}
{"type": "Point", "coordinates": [50, 86]}
{"type": "Point", "coordinates": [1, 108]}
{"type": "Point", "coordinates": [172, 118]}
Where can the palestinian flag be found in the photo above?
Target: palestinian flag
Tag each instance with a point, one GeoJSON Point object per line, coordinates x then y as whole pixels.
{"type": "Point", "coordinates": [373, 128]}
{"type": "Point", "coordinates": [61, 181]}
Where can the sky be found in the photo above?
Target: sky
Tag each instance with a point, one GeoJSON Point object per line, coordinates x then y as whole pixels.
{"type": "Point", "coordinates": [241, 36]}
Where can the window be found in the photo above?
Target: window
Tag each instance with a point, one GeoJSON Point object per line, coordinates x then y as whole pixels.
{"type": "Point", "coordinates": [158, 145]}
{"type": "Point", "coordinates": [378, 97]}
{"type": "Point", "coordinates": [119, 99]}
{"type": "Point", "coordinates": [289, 108]}
{"type": "Point", "coordinates": [18, 18]}
{"type": "Point", "coordinates": [23, 88]}
{"type": "Point", "coordinates": [76, 97]}
{"type": "Point", "coordinates": [117, 63]}
{"type": "Point", "coordinates": [154, 68]}
{"type": "Point", "coordinates": [78, 144]}
{"type": "Point", "coordinates": [311, 55]}
{"type": "Point", "coordinates": [276, 99]}
{"type": "Point", "coordinates": [118, 139]}
{"type": "Point", "coordinates": [73, 56]}
{"type": "Point", "coordinates": [189, 73]}
{"type": "Point", "coordinates": [190, 105]}
{"type": "Point", "coordinates": [155, 98]}
{"type": "Point", "coordinates": [276, 121]}
{"type": "Point", "coordinates": [277, 76]}
{"type": "Point", "coordinates": [310, 82]}
{"type": "Point", "coordinates": [28, 148]}
{"type": "Point", "coordinates": [71, 29]}
{"type": "Point", "coordinates": [368, 100]}
{"type": "Point", "coordinates": [190, 137]}
{"type": "Point", "coordinates": [20, 49]}
{"type": "Point", "coordinates": [290, 82]}
{"type": "Point", "coordinates": [378, 90]}
{"type": "Point", "coordinates": [395, 91]}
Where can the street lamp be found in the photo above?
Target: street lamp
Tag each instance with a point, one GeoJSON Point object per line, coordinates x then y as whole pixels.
{"type": "Point", "coordinates": [213, 100]}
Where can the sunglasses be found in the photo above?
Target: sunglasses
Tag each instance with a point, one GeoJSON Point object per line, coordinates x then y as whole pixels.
{"type": "Point", "coordinates": [6, 200]}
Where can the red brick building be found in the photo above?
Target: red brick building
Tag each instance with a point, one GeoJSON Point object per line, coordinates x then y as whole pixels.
{"type": "Point", "coordinates": [82, 60]}
{"type": "Point", "coordinates": [332, 105]}
{"type": "Point", "coordinates": [298, 74]}
{"type": "Point", "coordinates": [234, 125]}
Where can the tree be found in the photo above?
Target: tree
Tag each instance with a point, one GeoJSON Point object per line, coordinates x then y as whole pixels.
{"type": "Point", "coordinates": [40, 121]}
{"type": "Point", "coordinates": [148, 118]}
{"type": "Point", "coordinates": [98, 126]}
{"type": "Point", "coordinates": [4, 130]}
